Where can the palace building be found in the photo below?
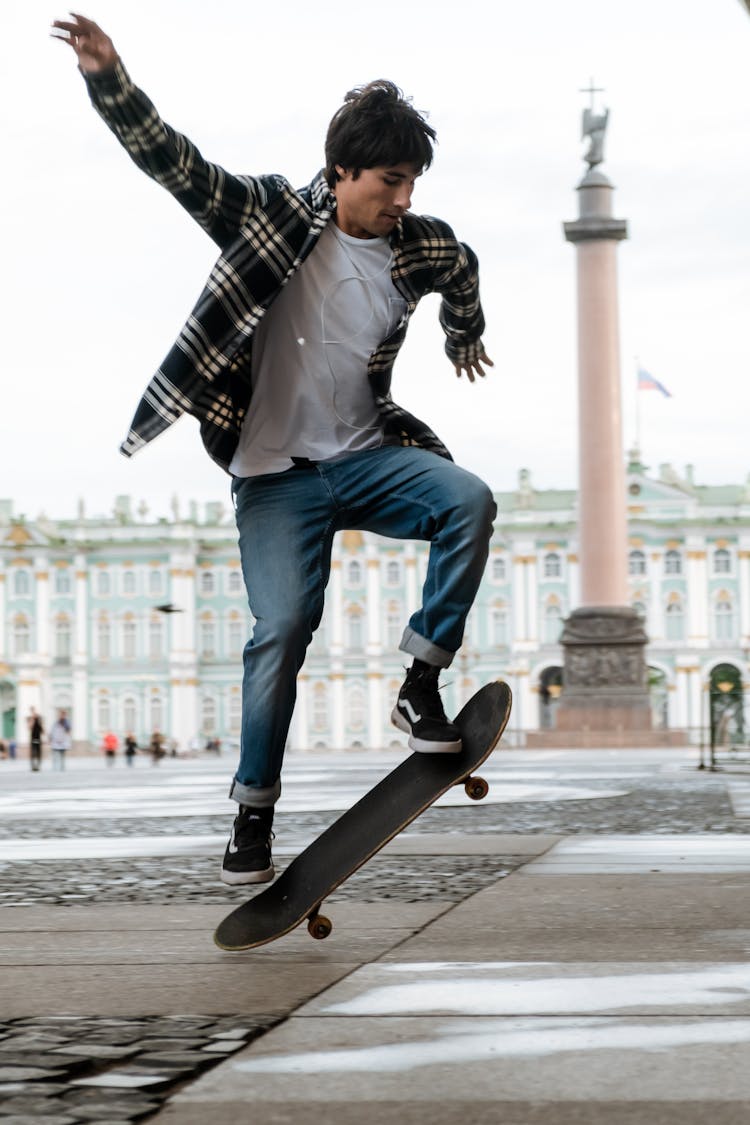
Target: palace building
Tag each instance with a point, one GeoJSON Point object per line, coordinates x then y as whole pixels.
{"type": "Point", "coordinates": [138, 624]}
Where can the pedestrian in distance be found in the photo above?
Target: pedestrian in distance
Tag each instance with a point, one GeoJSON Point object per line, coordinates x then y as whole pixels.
{"type": "Point", "coordinates": [131, 748]}
{"type": "Point", "coordinates": [156, 747]}
{"type": "Point", "coordinates": [60, 740]}
{"type": "Point", "coordinates": [36, 734]}
{"type": "Point", "coordinates": [287, 361]}
{"type": "Point", "coordinates": [110, 746]}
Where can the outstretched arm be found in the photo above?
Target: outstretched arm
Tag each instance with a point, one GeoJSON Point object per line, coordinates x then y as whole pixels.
{"type": "Point", "coordinates": [220, 202]}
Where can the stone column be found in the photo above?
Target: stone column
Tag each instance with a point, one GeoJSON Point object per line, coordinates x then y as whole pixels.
{"type": "Point", "coordinates": [3, 623]}
{"type": "Point", "coordinates": [743, 561]}
{"type": "Point", "coordinates": [605, 681]}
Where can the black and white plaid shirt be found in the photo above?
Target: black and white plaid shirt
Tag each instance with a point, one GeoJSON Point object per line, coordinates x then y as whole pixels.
{"type": "Point", "coordinates": [265, 229]}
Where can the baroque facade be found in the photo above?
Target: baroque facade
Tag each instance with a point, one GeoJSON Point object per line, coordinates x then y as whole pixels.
{"type": "Point", "coordinates": [82, 626]}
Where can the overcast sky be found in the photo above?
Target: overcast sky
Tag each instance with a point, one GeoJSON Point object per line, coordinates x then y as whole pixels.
{"type": "Point", "coordinates": [101, 267]}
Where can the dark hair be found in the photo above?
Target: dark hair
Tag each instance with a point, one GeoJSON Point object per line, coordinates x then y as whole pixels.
{"type": "Point", "coordinates": [377, 126]}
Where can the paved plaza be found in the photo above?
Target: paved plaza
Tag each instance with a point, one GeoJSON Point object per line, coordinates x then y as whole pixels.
{"type": "Point", "coordinates": [574, 949]}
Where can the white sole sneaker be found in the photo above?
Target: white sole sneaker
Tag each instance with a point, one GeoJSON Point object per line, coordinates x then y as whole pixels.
{"type": "Point", "coordinates": [423, 745]}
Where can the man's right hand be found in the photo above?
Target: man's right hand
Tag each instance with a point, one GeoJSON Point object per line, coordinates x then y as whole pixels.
{"type": "Point", "coordinates": [94, 49]}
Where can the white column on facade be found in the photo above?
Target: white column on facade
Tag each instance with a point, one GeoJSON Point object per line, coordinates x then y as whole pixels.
{"type": "Point", "coordinates": [374, 607]}
{"type": "Point", "coordinates": [525, 593]}
{"type": "Point", "coordinates": [338, 719]}
{"type": "Point", "coordinates": [697, 597]}
{"type": "Point", "coordinates": [689, 703]}
{"type": "Point", "coordinates": [574, 581]}
{"type": "Point", "coordinates": [183, 656]}
{"type": "Point", "coordinates": [81, 718]}
{"type": "Point", "coordinates": [41, 574]}
{"type": "Point", "coordinates": [299, 733]}
{"type": "Point", "coordinates": [743, 563]}
{"type": "Point", "coordinates": [655, 620]}
{"type": "Point", "coordinates": [336, 607]}
{"type": "Point", "coordinates": [411, 579]}
{"type": "Point", "coordinates": [375, 709]}
{"type": "Point", "coordinates": [3, 626]}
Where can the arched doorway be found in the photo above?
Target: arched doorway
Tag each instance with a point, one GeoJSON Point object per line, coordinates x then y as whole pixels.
{"type": "Point", "coordinates": [550, 686]}
{"type": "Point", "coordinates": [658, 691]}
{"type": "Point", "coordinates": [7, 711]}
{"type": "Point", "coordinates": [725, 706]}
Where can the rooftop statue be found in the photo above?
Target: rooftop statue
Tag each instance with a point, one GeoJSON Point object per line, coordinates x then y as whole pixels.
{"type": "Point", "coordinates": [594, 126]}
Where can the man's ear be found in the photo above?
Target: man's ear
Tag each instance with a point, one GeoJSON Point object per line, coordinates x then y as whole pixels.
{"type": "Point", "coordinates": [340, 171]}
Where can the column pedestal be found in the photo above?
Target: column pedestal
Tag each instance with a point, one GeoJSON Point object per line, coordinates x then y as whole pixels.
{"type": "Point", "coordinates": [605, 677]}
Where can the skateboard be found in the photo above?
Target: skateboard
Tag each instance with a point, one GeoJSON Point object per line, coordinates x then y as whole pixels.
{"type": "Point", "coordinates": [409, 789]}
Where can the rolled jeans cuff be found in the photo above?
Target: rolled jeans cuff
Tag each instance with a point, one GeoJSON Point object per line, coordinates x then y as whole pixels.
{"type": "Point", "coordinates": [425, 650]}
{"type": "Point", "coordinates": [257, 798]}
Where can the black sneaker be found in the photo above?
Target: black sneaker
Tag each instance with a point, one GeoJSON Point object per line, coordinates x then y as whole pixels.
{"type": "Point", "coordinates": [248, 855]}
{"type": "Point", "coordinates": [419, 712]}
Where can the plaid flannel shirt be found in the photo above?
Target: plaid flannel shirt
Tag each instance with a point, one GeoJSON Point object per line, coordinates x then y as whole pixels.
{"type": "Point", "coordinates": [265, 229]}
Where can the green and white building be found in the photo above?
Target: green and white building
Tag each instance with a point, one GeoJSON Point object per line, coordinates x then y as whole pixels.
{"type": "Point", "coordinates": [81, 627]}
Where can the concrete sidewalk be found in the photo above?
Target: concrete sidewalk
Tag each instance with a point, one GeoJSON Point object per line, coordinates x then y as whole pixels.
{"type": "Point", "coordinates": [604, 981]}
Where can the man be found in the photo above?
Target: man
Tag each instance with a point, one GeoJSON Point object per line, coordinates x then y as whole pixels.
{"type": "Point", "coordinates": [36, 734]}
{"type": "Point", "coordinates": [286, 361]}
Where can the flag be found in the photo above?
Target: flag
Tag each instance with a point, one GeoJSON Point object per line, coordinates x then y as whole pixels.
{"type": "Point", "coordinates": [647, 382]}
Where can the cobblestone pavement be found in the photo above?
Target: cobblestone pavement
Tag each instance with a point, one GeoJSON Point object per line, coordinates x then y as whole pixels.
{"type": "Point", "coordinates": [65, 1070]}
{"type": "Point", "coordinates": [68, 1070]}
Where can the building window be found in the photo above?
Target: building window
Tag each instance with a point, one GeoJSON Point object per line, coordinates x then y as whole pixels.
{"type": "Point", "coordinates": [393, 573]}
{"type": "Point", "coordinates": [208, 715]}
{"type": "Point", "coordinates": [355, 631]}
{"type": "Point", "coordinates": [673, 562]}
{"type": "Point", "coordinates": [235, 712]}
{"type": "Point", "coordinates": [499, 627]}
{"type": "Point", "coordinates": [156, 713]}
{"type": "Point", "coordinates": [636, 562]}
{"type": "Point", "coordinates": [498, 568]}
{"type": "Point", "coordinates": [319, 709]}
{"type": "Point", "coordinates": [552, 565]}
{"type": "Point", "coordinates": [103, 585]}
{"type": "Point", "coordinates": [722, 561]}
{"type": "Point", "coordinates": [62, 580]}
{"type": "Point", "coordinates": [155, 639]}
{"type": "Point", "coordinates": [393, 625]}
{"type": "Point", "coordinates": [103, 639]}
{"type": "Point", "coordinates": [723, 620]}
{"type": "Point", "coordinates": [62, 639]}
{"type": "Point", "coordinates": [640, 609]}
{"type": "Point", "coordinates": [208, 582]}
{"type": "Point", "coordinates": [21, 583]}
{"type": "Point", "coordinates": [155, 581]}
{"type": "Point", "coordinates": [357, 708]}
{"type": "Point", "coordinates": [552, 624]}
{"type": "Point", "coordinates": [354, 573]}
{"type": "Point", "coordinates": [234, 582]}
{"type": "Point", "coordinates": [675, 622]}
{"type": "Point", "coordinates": [129, 714]}
{"type": "Point", "coordinates": [128, 582]}
{"type": "Point", "coordinates": [236, 637]}
{"type": "Point", "coordinates": [103, 713]}
{"type": "Point", "coordinates": [21, 636]}
{"type": "Point", "coordinates": [129, 640]}
{"type": "Point", "coordinates": [207, 638]}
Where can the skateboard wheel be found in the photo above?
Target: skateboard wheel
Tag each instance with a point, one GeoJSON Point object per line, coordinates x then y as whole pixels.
{"type": "Point", "coordinates": [476, 788]}
{"type": "Point", "coordinates": [319, 927]}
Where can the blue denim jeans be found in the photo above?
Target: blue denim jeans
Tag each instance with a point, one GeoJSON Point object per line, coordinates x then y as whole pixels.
{"type": "Point", "coordinates": [286, 524]}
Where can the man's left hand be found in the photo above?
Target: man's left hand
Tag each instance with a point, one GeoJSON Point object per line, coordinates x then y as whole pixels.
{"type": "Point", "coordinates": [474, 367]}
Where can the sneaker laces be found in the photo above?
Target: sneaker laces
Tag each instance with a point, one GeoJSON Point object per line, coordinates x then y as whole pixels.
{"type": "Point", "coordinates": [425, 684]}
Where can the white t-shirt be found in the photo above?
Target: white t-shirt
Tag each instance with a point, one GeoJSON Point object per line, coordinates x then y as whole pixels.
{"type": "Point", "coordinates": [311, 395]}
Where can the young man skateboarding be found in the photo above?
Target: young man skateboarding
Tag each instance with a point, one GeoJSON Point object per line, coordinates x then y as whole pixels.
{"type": "Point", "coordinates": [286, 361]}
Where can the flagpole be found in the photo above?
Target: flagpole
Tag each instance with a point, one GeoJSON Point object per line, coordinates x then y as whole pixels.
{"type": "Point", "coordinates": [637, 409]}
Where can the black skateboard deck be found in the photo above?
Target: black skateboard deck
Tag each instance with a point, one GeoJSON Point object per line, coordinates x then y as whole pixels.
{"type": "Point", "coordinates": [414, 785]}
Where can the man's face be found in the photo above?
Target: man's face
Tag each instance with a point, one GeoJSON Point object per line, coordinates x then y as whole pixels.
{"type": "Point", "coordinates": [371, 205]}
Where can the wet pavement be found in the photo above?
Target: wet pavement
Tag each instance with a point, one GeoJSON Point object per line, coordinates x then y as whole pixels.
{"type": "Point", "coordinates": [593, 908]}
